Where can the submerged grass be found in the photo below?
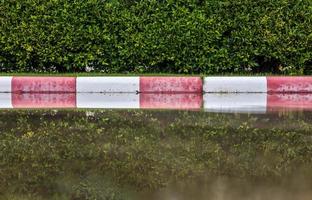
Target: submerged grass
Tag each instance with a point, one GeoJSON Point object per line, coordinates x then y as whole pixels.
{"type": "Point", "coordinates": [103, 154]}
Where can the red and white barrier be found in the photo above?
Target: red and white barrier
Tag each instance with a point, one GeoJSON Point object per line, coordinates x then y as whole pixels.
{"type": "Point", "coordinates": [108, 84]}
{"type": "Point", "coordinates": [44, 84]}
{"type": "Point", "coordinates": [6, 84]}
{"type": "Point", "coordinates": [235, 84]}
{"type": "Point", "coordinates": [270, 84]}
{"type": "Point", "coordinates": [156, 84]}
{"type": "Point", "coordinates": [223, 94]}
{"type": "Point", "coordinates": [171, 85]}
{"type": "Point", "coordinates": [289, 84]}
{"type": "Point", "coordinates": [5, 89]}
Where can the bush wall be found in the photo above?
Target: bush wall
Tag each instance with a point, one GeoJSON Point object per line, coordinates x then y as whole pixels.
{"type": "Point", "coordinates": [138, 36]}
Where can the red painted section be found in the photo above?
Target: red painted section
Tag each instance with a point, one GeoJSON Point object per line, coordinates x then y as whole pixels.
{"type": "Point", "coordinates": [44, 84]}
{"type": "Point", "coordinates": [171, 85]}
{"type": "Point", "coordinates": [279, 101]}
{"type": "Point", "coordinates": [44, 100]}
{"type": "Point", "coordinates": [171, 101]}
{"type": "Point", "coordinates": [289, 84]}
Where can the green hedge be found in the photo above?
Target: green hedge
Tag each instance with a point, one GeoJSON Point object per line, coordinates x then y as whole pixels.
{"type": "Point", "coordinates": [181, 36]}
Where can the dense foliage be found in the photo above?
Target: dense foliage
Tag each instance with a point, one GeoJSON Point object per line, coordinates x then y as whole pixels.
{"type": "Point", "coordinates": [181, 36]}
{"type": "Point", "coordinates": [115, 154]}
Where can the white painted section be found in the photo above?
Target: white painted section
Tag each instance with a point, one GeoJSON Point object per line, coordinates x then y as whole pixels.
{"type": "Point", "coordinates": [6, 100]}
{"type": "Point", "coordinates": [5, 83]}
{"type": "Point", "coordinates": [108, 100]}
{"type": "Point", "coordinates": [108, 84]}
{"type": "Point", "coordinates": [235, 102]}
{"type": "Point", "coordinates": [229, 84]}
{"type": "Point", "coordinates": [5, 89]}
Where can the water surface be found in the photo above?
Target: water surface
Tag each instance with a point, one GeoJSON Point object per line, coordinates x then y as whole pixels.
{"type": "Point", "coordinates": [155, 154]}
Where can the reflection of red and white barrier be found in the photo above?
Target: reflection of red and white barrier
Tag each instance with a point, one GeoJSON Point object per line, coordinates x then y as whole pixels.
{"type": "Point", "coordinates": [236, 102]}
{"type": "Point", "coordinates": [233, 102]}
{"type": "Point", "coordinates": [108, 100]}
{"type": "Point", "coordinates": [296, 101]}
{"type": "Point", "coordinates": [43, 100]}
{"type": "Point", "coordinates": [6, 100]}
{"type": "Point", "coordinates": [101, 100]}
{"type": "Point", "coordinates": [157, 84]}
{"type": "Point", "coordinates": [171, 101]}
{"type": "Point", "coordinates": [257, 102]}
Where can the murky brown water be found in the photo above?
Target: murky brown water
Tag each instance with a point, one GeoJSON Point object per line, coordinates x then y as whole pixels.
{"type": "Point", "coordinates": [224, 188]}
{"type": "Point", "coordinates": [159, 154]}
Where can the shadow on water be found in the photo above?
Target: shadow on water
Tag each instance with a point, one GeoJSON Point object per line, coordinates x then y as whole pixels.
{"type": "Point", "coordinates": [156, 154]}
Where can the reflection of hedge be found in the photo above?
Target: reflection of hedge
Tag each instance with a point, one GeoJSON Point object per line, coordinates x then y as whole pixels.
{"type": "Point", "coordinates": [182, 36]}
{"type": "Point", "coordinates": [79, 153]}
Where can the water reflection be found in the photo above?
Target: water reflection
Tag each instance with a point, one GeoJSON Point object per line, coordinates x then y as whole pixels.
{"type": "Point", "coordinates": [43, 100]}
{"type": "Point", "coordinates": [154, 154]}
{"type": "Point", "coordinates": [171, 101]}
{"type": "Point", "coordinates": [234, 102]}
{"type": "Point", "coordinates": [109, 100]}
{"type": "Point", "coordinates": [257, 102]}
{"type": "Point", "coordinates": [226, 188]}
{"type": "Point", "coordinates": [302, 101]}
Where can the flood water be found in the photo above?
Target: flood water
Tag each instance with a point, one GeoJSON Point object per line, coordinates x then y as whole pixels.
{"type": "Point", "coordinates": [217, 148]}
